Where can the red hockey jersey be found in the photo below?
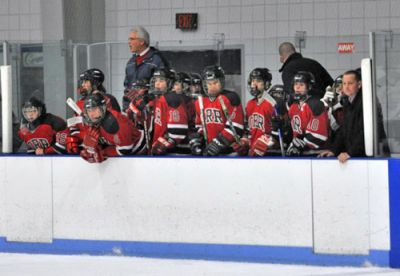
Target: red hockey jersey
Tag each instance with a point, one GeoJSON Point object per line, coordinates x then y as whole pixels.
{"type": "Point", "coordinates": [309, 122]}
{"type": "Point", "coordinates": [259, 118]}
{"type": "Point", "coordinates": [50, 135]}
{"type": "Point", "coordinates": [215, 120]}
{"type": "Point", "coordinates": [170, 117]}
{"type": "Point", "coordinates": [118, 136]}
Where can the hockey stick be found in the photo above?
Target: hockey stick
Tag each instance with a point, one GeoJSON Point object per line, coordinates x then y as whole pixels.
{"type": "Point", "coordinates": [202, 118]}
{"type": "Point", "coordinates": [74, 106]}
{"type": "Point", "coordinates": [76, 119]}
{"type": "Point", "coordinates": [272, 101]}
{"type": "Point", "coordinates": [146, 130]}
{"type": "Point", "coordinates": [228, 118]}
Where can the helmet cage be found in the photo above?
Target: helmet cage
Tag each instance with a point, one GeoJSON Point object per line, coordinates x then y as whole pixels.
{"type": "Point", "coordinates": [91, 102]}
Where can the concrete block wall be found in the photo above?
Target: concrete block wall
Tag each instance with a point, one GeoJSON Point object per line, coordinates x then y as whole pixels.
{"type": "Point", "coordinates": [20, 20]}
{"type": "Point", "coordinates": [261, 26]}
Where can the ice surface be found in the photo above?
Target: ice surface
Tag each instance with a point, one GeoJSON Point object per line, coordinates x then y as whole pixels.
{"type": "Point", "coordinates": [82, 265]}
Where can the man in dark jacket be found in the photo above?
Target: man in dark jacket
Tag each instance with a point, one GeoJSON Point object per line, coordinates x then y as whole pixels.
{"type": "Point", "coordinates": [144, 60]}
{"type": "Point", "coordinates": [294, 62]}
{"type": "Point", "coordinates": [349, 141]}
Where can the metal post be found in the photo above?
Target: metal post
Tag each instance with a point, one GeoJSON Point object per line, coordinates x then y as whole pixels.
{"type": "Point", "coordinates": [6, 53]}
{"type": "Point", "coordinates": [75, 70]}
{"type": "Point", "coordinates": [372, 54]}
{"type": "Point", "coordinates": [109, 74]}
{"type": "Point", "coordinates": [89, 61]}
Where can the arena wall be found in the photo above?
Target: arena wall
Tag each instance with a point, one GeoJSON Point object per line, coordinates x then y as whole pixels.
{"type": "Point", "coordinates": [308, 211]}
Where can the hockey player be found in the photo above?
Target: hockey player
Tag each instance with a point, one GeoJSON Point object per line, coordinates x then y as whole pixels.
{"type": "Point", "coordinates": [219, 117]}
{"type": "Point", "coordinates": [335, 112]}
{"type": "Point", "coordinates": [43, 133]}
{"type": "Point", "coordinates": [259, 112]}
{"type": "Point", "coordinates": [281, 129]}
{"type": "Point", "coordinates": [309, 116]}
{"type": "Point", "coordinates": [170, 116]}
{"type": "Point", "coordinates": [182, 87]}
{"type": "Point", "coordinates": [91, 81]}
{"type": "Point", "coordinates": [107, 132]}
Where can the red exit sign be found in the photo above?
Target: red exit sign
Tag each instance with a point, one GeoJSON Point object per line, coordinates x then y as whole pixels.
{"type": "Point", "coordinates": [345, 47]}
{"type": "Point", "coordinates": [186, 21]}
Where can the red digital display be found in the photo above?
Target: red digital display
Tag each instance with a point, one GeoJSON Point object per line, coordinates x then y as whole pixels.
{"type": "Point", "coordinates": [186, 21]}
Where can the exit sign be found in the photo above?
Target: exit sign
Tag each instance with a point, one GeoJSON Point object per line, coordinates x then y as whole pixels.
{"type": "Point", "coordinates": [186, 21]}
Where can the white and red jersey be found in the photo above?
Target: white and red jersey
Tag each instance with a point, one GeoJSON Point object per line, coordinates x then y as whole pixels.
{"type": "Point", "coordinates": [118, 136]}
{"type": "Point", "coordinates": [49, 134]}
{"type": "Point", "coordinates": [170, 117]}
{"type": "Point", "coordinates": [258, 116]}
{"type": "Point", "coordinates": [310, 122]}
{"type": "Point", "coordinates": [215, 119]}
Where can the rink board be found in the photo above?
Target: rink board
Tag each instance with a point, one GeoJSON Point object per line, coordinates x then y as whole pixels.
{"type": "Point", "coordinates": [307, 211]}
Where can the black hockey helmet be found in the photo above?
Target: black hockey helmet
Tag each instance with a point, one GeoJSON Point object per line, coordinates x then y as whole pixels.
{"type": "Point", "coordinates": [195, 79]}
{"type": "Point", "coordinates": [304, 77]}
{"type": "Point", "coordinates": [196, 87]}
{"type": "Point", "coordinates": [166, 74]}
{"type": "Point", "coordinates": [278, 93]}
{"type": "Point", "coordinates": [338, 84]}
{"type": "Point", "coordinates": [213, 72]}
{"type": "Point", "coordinates": [30, 105]}
{"type": "Point", "coordinates": [280, 96]}
{"type": "Point", "coordinates": [96, 78]}
{"type": "Point", "coordinates": [92, 101]}
{"type": "Point", "coordinates": [261, 74]}
{"type": "Point", "coordinates": [140, 84]}
{"type": "Point", "coordinates": [185, 80]}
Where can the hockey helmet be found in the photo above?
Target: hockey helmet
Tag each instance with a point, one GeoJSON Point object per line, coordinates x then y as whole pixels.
{"type": "Point", "coordinates": [92, 102]}
{"type": "Point", "coordinates": [185, 81]}
{"type": "Point", "coordinates": [32, 110]}
{"type": "Point", "coordinates": [162, 74]}
{"type": "Point", "coordinates": [211, 73]}
{"type": "Point", "coordinates": [261, 74]}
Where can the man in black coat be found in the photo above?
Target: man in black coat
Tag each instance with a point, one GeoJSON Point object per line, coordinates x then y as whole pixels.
{"type": "Point", "coordinates": [294, 62]}
{"type": "Point", "coordinates": [349, 141]}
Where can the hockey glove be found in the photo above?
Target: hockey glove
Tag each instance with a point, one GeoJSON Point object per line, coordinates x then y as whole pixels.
{"type": "Point", "coordinates": [91, 139]}
{"type": "Point", "coordinates": [261, 145]}
{"type": "Point", "coordinates": [217, 145]}
{"type": "Point", "coordinates": [296, 147]}
{"type": "Point", "coordinates": [196, 143]}
{"type": "Point", "coordinates": [93, 157]}
{"type": "Point", "coordinates": [143, 100]}
{"type": "Point", "coordinates": [72, 144]}
{"type": "Point", "coordinates": [162, 145]}
{"type": "Point", "coordinates": [329, 96]}
{"type": "Point", "coordinates": [242, 148]}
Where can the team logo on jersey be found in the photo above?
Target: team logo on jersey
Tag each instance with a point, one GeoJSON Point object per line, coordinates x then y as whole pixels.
{"type": "Point", "coordinates": [296, 124]}
{"type": "Point", "coordinates": [157, 117]}
{"type": "Point", "coordinates": [256, 120]}
{"type": "Point", "coordinates": [36, 143]}
{"type": "Point", "coordinates": [213, 115]}
{"type": "Point", "coordinates": [174, 116]}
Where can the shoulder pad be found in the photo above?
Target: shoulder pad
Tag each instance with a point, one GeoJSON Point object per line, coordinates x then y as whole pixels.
{"type": "Point", "coordinates": [316, 106]}
{"type": "Point", "coordinates": [173, 99]}
{"type": "Point", "coordinates": [55, 122]}
{"type": "Point", "coordinates": [110, 123]}
{"type": "Point", "coordinates": [232, 97]}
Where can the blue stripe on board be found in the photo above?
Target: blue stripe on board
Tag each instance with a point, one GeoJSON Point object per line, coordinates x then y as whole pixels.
{"type": "Point", "coordinates": [220, 252]}
{"type": "Point", "coordinates": [394, 207]}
